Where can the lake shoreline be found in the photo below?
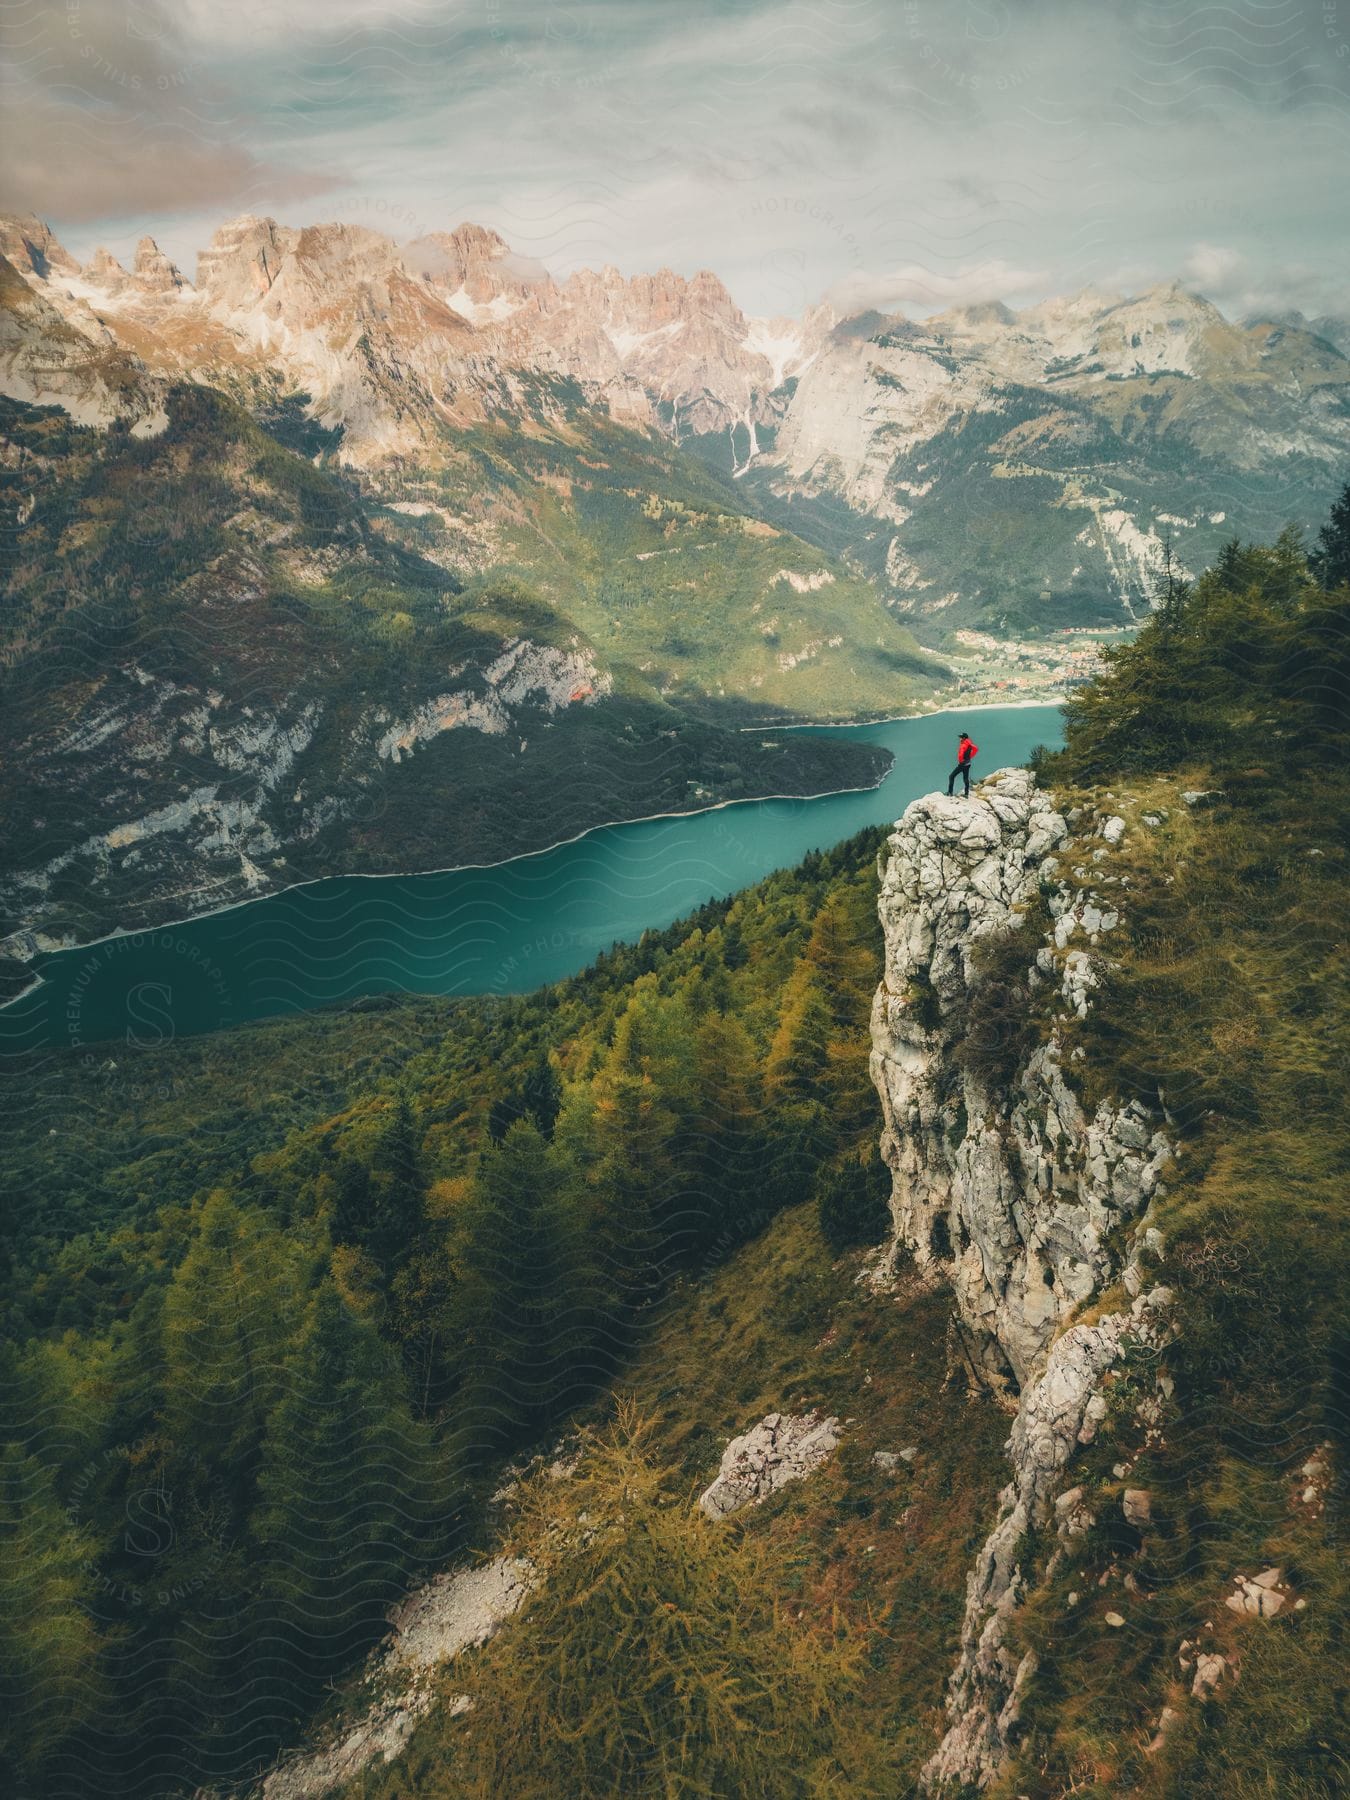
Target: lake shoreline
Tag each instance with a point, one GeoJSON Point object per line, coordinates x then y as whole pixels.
{"type": "Point", "coordinates": [507, 925]}
{"type": "Point", "coordinates": [908, 718]}
{"type": "Point", "coordinates": [123, 933]}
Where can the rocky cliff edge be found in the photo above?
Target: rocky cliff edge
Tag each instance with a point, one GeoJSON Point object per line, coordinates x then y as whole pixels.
{"type": "Point", "coordinates": [1003, 1187]}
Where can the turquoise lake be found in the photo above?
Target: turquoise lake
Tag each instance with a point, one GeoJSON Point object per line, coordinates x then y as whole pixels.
{"type": "Point", "coordinates": [504, 929]}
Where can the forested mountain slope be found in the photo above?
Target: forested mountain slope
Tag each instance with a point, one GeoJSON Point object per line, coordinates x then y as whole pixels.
{"type": "Point", "coordinates": [1108, 1052]}
{"type": "Point", "coordinates": [228, 670]}
{"type": "Point", "coordinates": [291, 1295]}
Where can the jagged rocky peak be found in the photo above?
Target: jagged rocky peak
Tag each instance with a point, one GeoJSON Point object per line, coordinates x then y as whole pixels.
{"type": "Point", "coordinates": [153, 269]}
{"type": "Point", "coordinates": [477, 268]}
{"type": "Point", "coordinates": [343, 249]}
{"type": "Point", "coordinates": [981, 313]}
{"type": "Point", "coordinates": [709, 293]}
{"type": "Point", "coordinates": [319, 277]}
{"type": "Point", "coordinates": [1061, 310]}
{"type": "Point", "coordinates": [1164, 330]}
{"type": "Point", "coordinates": [657, 299]}
{"type": "Point", "coordinates": [29, 245]}
{"type": "Point", "coordinates": [1329, 327]}
{"type": "Point", "coordinates": [104, 270]}
{"type": "Point", "coordinates": [1004, 1187]}
{"type": "Point", "coordinates": [243, 259]}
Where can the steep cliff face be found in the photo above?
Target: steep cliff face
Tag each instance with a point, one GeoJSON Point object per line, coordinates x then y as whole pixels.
{"type": "Point", "coordinates": [1004, 1187]}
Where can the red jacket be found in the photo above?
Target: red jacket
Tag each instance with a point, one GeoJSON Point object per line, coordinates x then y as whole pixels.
{"type": "Point", "coordinates": [967, 749]}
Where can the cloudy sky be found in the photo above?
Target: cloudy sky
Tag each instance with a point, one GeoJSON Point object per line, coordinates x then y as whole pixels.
{"type": "Point", "coordinates": [889, 152]}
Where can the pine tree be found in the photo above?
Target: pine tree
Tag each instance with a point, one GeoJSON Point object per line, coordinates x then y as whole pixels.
{"type": "Point", "coordinates": [541, 1095]}
{"type": "Point", "coordinates": [725, 1145]}
{"type": "Point", "coordinates": [734, 953]}
{"type": "Point", "coordinates": [402, 1189]}
{"type": "Point", "coordinates": [353, 1204]}
{"type": "Point", "coordinates": [230, 1316]}
{"type": "Point", "coordinates": [381, 1206]}
{"type": "Point", "coordinates": [1330, 561]}
{"type": "Point", "coordinates": [348, 1482]}
{"type": "Point", "coordinates": [538, 1097]}
{"type": "Point", "coordinates": [525, 1306]}
{"type": "Point", "coordinates": [52, 1683]}
{"type": "Point", "coordinates": [800, 1050]}
{"type": "Point", "coordinates": [645, 1105]}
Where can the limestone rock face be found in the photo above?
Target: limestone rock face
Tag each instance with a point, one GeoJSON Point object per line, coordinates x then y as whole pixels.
{"type": "Point", "coordinates": [781, 1448]}
{"type": "Point", "coordinates": [1007, 1190]}
{"type": "Point", "coordinates": [153, 269]}
{"type": "Point", "coordinates": [27, 242]}
{"type": "Point", "coordinates": [1052, 1419]}
{"type": "Point", "coordinates": [48, 359]}
{"type": "Point", "coordinates": [1010, 1195]}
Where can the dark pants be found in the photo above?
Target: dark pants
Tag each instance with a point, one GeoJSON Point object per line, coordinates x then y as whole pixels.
{"type": "Point", "coordinates": [963, 769]}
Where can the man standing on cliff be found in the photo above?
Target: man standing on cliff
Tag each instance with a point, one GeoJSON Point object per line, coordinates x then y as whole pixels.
{"type": "Point", "coordinates": [966, 752]}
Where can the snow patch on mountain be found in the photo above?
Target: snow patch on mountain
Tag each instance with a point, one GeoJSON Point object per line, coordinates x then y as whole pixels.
{"type": "Point", "coordinates": [482, 312]}
{"type": "Point", "coordinates": [780, 343]}
{"type": "Point", "coordinates": [626, 342]}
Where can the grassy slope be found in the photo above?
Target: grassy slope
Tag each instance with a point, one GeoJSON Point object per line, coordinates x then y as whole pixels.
{"type": "Point", "coordinates": [1221, 997]}
{"type": "Point", "coordinates": [654, 556]}
{"type": "Point", "coordinates": [785, 1326]}
{"type": "Point", "coordinates": [1224, 998]}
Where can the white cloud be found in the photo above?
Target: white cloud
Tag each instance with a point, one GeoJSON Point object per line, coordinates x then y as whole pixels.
{"type": "Point", "coordinates": [1211, 268]}
{"type": "Point", "coordinates": [935, 289]}
{"type": "Point", "coordinates": [963, 152]}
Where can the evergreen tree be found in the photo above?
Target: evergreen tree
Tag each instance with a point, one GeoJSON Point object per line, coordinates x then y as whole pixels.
{"type": "Point", "coordinates": [801, 1046]}
{"type": "Point", "coordinates": [348, 1482]}
{"type": "Point", "coordinates": [353, 1205]}
{"type": "Point", "coordinates": [726, 1140]}
{"type": "Point", "coordinates": [381, 1207]}
{"type": "Point", "coordinates": [541, 1096]}
{"type": "Point", "coordinates": [230, 1316]}
{"type": "Point", "coordinates": [401, 1189]}
{"type": "Point", "coordinates": [734, 953]}
{"type": "Point", "coordinates": [50, 1676]}
{"type": "Point", "coordinates": [524, 1302]}
{"type": "Point", "coordinates": [1330, 561]}
{"type": "Point", "coordinates": [645, 1102]}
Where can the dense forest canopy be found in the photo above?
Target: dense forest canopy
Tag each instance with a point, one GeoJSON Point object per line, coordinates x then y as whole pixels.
{"type": "Point", "coordinates": [273, 1334]}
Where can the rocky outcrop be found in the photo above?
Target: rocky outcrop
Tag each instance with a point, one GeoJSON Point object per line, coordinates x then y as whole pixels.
{"type": "Point", "coordinates": [1055, 1415]}
{"type": "Point", "coordinates": [27, 242]}
{"type": "Point", "coordinates": [156, 270]}
{"type": "Point", "coordinates": [62, 355]}
{"type": "Point", "coordinates": [456, 1611]}
{"type": "Point", "coordinates": [244, 791]}
{"type": "Point", "coordinates": [781, 1448]}
{"type": "Point", "coordinates": [1003, 1186]}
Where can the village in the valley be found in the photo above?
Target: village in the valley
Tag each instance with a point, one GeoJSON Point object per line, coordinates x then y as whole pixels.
{"type": "Point", "coordinates": [1005, 671]}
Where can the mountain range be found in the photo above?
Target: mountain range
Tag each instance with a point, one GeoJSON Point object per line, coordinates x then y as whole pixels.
{"type": "Point", "coordinates": [985, 466]}
{"type": "Point", "coordinates": [351, 554]}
